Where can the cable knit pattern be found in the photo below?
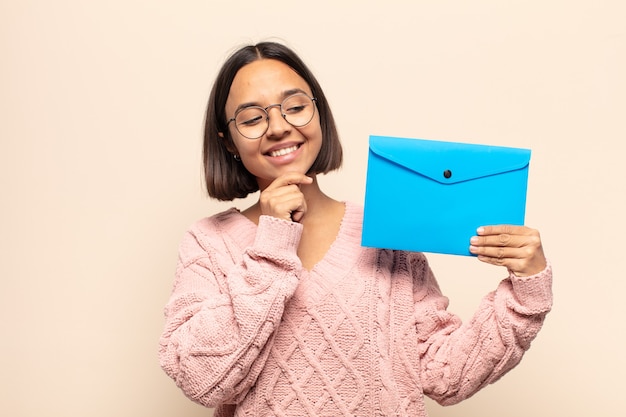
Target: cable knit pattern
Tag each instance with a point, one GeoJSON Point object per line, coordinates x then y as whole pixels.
{"type": "Point", "coordinates": [366, 332]}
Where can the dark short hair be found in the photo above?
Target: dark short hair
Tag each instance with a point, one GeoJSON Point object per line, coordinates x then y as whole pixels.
{"type": "Point", "coordinates": [227, 178]}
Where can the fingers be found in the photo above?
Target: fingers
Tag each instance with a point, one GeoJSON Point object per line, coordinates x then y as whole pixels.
{"type": "Point", "coordinates": [284, 199]}
{"type": "Point", "coordinates": [503, 236]}
{"type": "Point", "coordinates": [288, 179]}
{"type": "Point", "coordinates": [518, 248]}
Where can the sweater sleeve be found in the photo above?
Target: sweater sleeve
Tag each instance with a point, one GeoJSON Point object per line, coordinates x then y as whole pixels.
{"type": "Point", "coordinates": [457, 360]}
{"type": "Point", "coordinates": [223, 311]}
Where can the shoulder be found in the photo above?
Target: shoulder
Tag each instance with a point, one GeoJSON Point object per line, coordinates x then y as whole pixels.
{"type": "Point", "coordinates": [208, 227]}
{"type": "Point", "coordinates": [354, 209]}
{"type": "Point", "coordinates": [353, 215]}
{"type": "Point", "coordinates": [223, 221]}
{"type": "Point", "coordinates": [399, 262]}
{"type": "Point", "coordinates": [216, 233]}
{"type": "Point", "coordinates": [394, 259]}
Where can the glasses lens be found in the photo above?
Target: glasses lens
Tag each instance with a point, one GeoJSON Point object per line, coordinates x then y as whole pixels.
{"type": "Point", "coordinates": [298, 109]}
{"type": "Point", "coordinates": [251, 122]}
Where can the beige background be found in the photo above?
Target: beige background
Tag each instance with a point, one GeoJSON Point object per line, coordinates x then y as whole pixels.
{"type": "Point", "coordinates": [101, 108]}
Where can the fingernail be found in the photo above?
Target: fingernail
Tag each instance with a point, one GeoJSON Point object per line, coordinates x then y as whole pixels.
{"type": "Point", "coordinates": [480, 230]}
{"type": "Point", "coordinates": [474, 240]}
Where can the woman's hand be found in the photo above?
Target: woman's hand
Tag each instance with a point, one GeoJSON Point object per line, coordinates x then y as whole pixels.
{"type": "Point", "coordinates": [283, 198]}
{"type": "Point", "coordinates": [518, 248]}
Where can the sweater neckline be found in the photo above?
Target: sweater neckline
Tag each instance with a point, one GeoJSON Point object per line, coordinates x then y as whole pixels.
{"type": "Point", "coordinates": [340, 256]}
{"type": "Point", "coordinates": [331, 271]}
{"type": "Point", "coordinates": [334, 267]}
{"type": "Point", "coordinates": [341, 251]}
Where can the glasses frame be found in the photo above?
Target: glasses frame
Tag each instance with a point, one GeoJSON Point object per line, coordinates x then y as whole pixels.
{"type": "Point", "coordinates": [267, 115]}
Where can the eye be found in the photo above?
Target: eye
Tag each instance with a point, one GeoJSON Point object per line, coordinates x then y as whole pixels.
{"type": "Point", "coordinates": [250, 117]}
{"type": "Point", "coordinates": [295, 108]}
{"type": "Point", "coordinates": [249, 122]}
{"type": "Point", "coordinates": [296, 104]}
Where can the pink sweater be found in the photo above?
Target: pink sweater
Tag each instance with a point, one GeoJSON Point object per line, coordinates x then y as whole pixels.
{"type": "Point", "coordinates": [365, 333]}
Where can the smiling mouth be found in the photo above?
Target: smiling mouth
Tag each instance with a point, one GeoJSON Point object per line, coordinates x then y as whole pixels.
{"type": "Point", "coordinates": [284, 151]}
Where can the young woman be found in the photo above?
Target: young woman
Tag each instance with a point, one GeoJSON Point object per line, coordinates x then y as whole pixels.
{"type": "Point", "coordinates": [278, 311]}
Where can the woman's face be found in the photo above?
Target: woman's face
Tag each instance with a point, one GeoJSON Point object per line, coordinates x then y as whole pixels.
{"type": "Point", "coordinates": [283, 148]}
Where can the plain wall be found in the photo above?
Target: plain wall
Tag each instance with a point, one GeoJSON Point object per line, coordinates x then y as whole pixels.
{"type": "Point", "coordinates": [101, 112]}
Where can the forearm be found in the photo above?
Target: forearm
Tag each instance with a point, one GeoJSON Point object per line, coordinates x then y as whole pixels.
{"type": "Point", "coordinates": [218, 330]}
{"type": "Point", "coordinates": [492, 342]}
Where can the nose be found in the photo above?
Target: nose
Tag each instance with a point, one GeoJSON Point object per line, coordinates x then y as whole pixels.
{"type": "Point", "coordinates": [277, 126]}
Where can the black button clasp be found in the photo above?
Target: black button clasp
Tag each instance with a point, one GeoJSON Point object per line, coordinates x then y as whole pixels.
{"type": "Point", "coordinates": [447, 173]}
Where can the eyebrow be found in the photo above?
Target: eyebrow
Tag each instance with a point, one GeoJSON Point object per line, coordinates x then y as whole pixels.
{"type": "Point", "coordinates": [283, 96]}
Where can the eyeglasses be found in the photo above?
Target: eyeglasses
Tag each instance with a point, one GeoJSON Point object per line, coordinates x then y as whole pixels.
{"type": "Point", "coordinates": [253, 121]}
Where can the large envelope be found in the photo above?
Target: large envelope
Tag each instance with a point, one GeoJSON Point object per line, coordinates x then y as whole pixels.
{"type": "Point", "coordinates": [431, 196]}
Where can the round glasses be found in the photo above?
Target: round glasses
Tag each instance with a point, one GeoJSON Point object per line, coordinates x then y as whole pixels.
{"type": "Point", "coordinates": [253, 121]}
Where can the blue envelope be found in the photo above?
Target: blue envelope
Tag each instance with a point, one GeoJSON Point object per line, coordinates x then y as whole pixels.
{"type": "Point", "coordinates": [431, 196]}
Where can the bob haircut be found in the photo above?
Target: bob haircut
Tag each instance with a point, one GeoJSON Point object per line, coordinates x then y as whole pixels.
{"type": "Point", "coordinates": [226, 178]}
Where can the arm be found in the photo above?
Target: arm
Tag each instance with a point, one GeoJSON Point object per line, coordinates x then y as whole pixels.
{"type": "Point", "coordinates": [458, 360]}
{"type": "Point", "coordinates": [220, 317]}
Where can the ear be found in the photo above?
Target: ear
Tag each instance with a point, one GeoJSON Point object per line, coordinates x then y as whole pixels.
{"type": "Point", "coordinates": [228, 144]}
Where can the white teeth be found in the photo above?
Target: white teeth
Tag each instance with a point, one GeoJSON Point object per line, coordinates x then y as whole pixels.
{"type": "Point", "coordinates": [284, 151]}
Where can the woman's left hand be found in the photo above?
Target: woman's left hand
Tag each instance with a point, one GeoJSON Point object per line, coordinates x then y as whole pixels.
{"type": "Point", "coordinates": [518, 248]}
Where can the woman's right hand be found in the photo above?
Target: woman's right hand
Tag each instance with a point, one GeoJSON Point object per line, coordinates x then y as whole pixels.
{"type": "Point", "coordinates": [283, 198]}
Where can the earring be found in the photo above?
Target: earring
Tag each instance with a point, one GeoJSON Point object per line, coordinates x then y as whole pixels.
{"type": "Point", "coordinates": [237, 157]}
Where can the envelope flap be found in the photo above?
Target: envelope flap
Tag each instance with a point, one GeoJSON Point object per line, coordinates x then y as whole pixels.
{"type": "Point", "coordinates": [449, 162]}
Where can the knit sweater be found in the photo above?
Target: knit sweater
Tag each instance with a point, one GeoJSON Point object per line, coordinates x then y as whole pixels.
{"type": "Point", "coordinates": [366, 332]}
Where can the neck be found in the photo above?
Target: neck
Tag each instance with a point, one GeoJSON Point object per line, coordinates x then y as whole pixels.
{"type": "Point", "coordinates": [316, 200]}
